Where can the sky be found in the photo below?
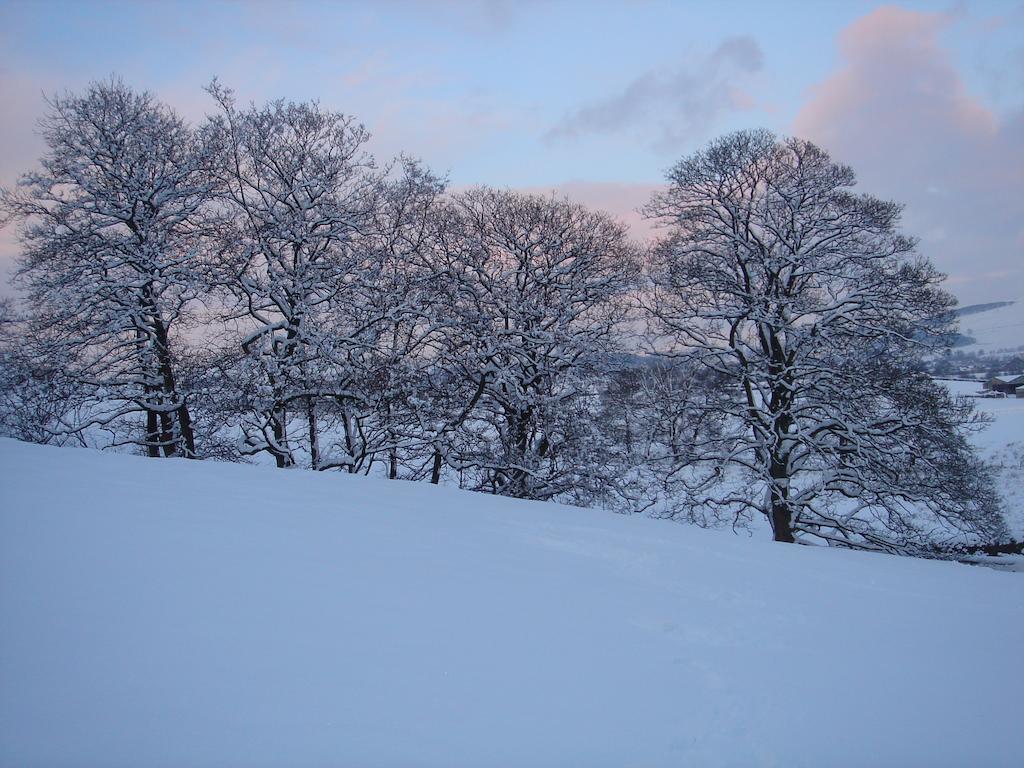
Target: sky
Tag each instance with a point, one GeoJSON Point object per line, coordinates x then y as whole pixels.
{"type": "Point", "coordinates": [595, 100]}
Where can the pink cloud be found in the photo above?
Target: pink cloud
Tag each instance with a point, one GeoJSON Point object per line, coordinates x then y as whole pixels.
{"type": "Point", "coordinates": [895, 76]}
{"type": "Point", "coordinates": [899, 112]}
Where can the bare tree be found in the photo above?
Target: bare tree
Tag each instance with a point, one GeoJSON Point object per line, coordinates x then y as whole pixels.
{"type": "Point", "coordinates": [815, 310]}
{"type": "Point", "coordinates": [402, 312]}
{"type": "Point", "coordinates": [301, 188]}
{"type": "Point", "coordinates": [37, 397]}
{"type": "Point", "coordinates": [536, 287]}
{"type": "Point", "coordinates": [655, 412]}
{"type": "Point", "coordinates": [109, 227]}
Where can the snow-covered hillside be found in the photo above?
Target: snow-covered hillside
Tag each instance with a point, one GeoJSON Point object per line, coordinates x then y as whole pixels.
{"type": "Point", "coordinates": [195, 614]}
{"type": "Point", "coordinates": [994, 327]}
{"type": "Point", "coordinates": [1001, 444]}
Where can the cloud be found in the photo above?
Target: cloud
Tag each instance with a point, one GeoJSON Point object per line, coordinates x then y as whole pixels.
{"type": "Point", "coordinates": [896, 78]}
{"type": "Point", "coordinates": [899, 112]}
{"type": "Point", "coordinates": [681, 104]}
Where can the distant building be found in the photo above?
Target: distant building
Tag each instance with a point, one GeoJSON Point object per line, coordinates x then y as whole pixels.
{"type": "Point", "coordinates": [1007, 383]}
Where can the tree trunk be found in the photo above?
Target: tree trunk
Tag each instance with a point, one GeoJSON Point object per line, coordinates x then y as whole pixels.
{"type": "Point", "coordinates": [280, 449]}
{"type": "Point", "coordinates": [167, 439]}
{"type": "Point", "coordinates": [782, 512]}
{"type": "Point", "coordinates": [314, 433]}
{"type": "Point", "coordinates": [435, 471]}
{"type": "Point", "coordinates": [350, 444]}
{"type": "Point", "coordinates": [181, 440]}
{"type": "Point", "coordinates": [152, 435]}
{"type": "Point", "coordinates": [782, 522]}
{"type": "Point", "coordinates": [187, 435]}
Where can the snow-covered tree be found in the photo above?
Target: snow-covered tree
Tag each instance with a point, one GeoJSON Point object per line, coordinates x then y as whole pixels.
{"type": "Point", "coordinates": [814, 310]}
{"type": "Point", "coordinates": [536, 288]}
{"type": "Point", "coordinates": [36, 397]}
{"type": "Point", "coordinates": [391, 418]}
{"type": "Point", "coordinates": [655, 411]}
{"type": "Point", "coordinates": [109, 228]}
{"type": "Point", "coordinates": [301, 190]}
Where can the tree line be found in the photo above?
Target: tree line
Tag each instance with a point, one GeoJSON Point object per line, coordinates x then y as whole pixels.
{"type": "Point", "coordinates": [261, 285]}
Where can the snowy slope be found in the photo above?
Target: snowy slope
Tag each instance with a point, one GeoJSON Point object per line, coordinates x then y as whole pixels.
{"type": "Point", "coordinates": [258, 617]}
{"type": "Point", "coordinates": [1001, 444]}
{"type": "Point", "coordinates": [998, 327]}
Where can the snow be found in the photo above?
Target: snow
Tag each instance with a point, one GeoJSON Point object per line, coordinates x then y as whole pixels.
{"type": "Point", "coordinates": [1007, 414]}
{"type": "Point", "coordinates": [176, 613]}
{"type": "Point", "coordinates": [1001, 443]}
{"type": "Point", "coordinates": [995, 330]}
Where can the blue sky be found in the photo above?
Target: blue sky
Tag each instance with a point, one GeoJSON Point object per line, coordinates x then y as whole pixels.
{"type": "Point", "coordinates": [594, 99]}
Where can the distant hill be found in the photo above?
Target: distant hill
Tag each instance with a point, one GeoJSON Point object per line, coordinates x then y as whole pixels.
{"type": "Point", "coordinates": [996, 326]}
{"type": "Point", "coordinates": [974, 309]}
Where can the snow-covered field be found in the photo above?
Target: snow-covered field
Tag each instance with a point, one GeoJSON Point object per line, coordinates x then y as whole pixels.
{"type": "Point", "coordinates": [173, 613]}
{"type": "Point", "coordinates": [1000, 329]}
{"type": "Point", "coordinates": [1002, 445]}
